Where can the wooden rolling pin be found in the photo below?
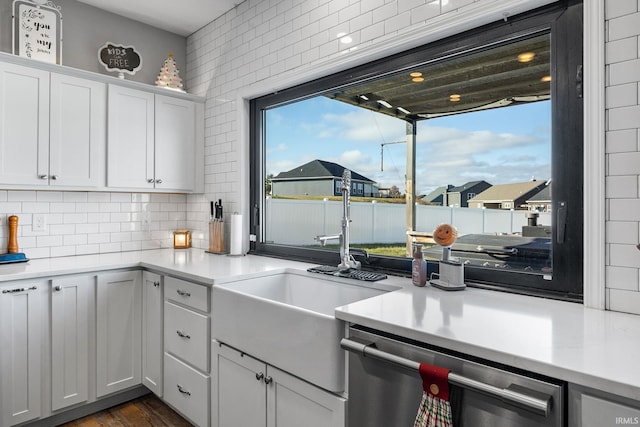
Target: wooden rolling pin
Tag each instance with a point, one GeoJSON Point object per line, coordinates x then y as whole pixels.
{"type": "Point", "coordinates": [13, 235]}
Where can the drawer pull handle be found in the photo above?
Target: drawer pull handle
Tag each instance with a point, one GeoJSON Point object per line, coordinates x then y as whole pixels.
{"type": "Point", "coordinates": [259, 376]}
{"type": "Point", "coordinates": [183, 391]}
{"type": "Point", "coordinates": [13, 291]}
{"type": "Point", "coordinates": [183, 335]}
{"type": "Point", "coordinates": [268, 380]}
{"type": "Point", "coordinates": [183, 293]}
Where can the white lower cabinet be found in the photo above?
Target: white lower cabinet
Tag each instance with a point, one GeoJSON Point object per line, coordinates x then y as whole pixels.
{"type": "Point", "coordinates": [595, 408]}
{"type": "Point", "coordinates": [152, 332]}
{"type": "Point", "coordinates": [187, 390]}
{"type": "Point", "coordinates": [71, 315]}
{"type": "Point", "coordinates": [186, 349]}
{"type": "Point", "coordinates": [249, 392]}
{"type": "Point", "coordinates": [22, 305]}
{"type": "Point", "coordinates": [118, 331]}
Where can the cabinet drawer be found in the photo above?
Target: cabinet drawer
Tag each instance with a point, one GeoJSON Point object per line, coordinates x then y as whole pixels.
{"type": "Point", "coordinates": [186, 335]}
{"type": "Point", "coordinates": [187, 390]}
{"type": "Point", "coordinates": [187, 293]}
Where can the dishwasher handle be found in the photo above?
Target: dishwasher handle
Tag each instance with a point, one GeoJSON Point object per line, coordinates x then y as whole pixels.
{"type": "Point", "coordinates": [521, 399]}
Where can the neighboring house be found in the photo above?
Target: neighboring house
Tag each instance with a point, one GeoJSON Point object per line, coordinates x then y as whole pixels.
{"type": "Point", "coordinates": [459, 196]}
{"type": "Point", "coordinates": [436, 197]}
{"type": "Point", "coordinates": [540, 201]}
{"type": "Point", "coordinates": [320, 178]}
{"type": "Point", "coordinates": [507, 196]}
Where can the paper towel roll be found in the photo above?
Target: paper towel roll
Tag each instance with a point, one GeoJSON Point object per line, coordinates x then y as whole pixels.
{"type": "Point", "coordinates": [235, 244]}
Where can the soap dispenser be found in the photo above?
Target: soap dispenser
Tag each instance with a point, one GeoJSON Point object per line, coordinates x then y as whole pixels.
{"type": "Point", "coordinates": [418, 267]}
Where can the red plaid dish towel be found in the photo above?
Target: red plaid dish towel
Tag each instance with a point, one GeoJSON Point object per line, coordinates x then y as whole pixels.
{"type": "Point", "coordinates": [435, 409]}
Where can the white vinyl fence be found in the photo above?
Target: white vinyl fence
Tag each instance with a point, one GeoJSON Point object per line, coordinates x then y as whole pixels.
{"type": "Point", "coordinates": [297, 222]}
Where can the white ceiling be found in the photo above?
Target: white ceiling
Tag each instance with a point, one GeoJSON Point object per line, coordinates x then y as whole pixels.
{"type": "Point", "coordinates": [184, 17]}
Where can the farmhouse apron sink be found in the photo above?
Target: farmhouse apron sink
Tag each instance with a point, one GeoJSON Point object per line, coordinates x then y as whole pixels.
{"type": "Point", "coordinates": [286, 318]}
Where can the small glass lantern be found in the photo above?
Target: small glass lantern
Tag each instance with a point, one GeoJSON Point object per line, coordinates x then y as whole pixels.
{"type": "Point", "coordinates": [181, 239]}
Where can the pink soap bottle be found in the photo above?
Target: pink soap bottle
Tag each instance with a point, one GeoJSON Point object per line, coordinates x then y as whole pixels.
{"type": "Point", "coordinates": [418, 267]}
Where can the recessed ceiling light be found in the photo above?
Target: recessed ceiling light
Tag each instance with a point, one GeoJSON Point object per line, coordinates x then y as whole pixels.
{"type": "Point", "coordinates": [416, 74]}
{"type": "Point", "coordinates": [346, 39]}
{"type": "Point", "coordinates": [526, 57]}
{"type": "Point", "coordinates": [454, 97]}
{"type": "Point", "coordinates": [417, 79]}
{"type": "Point", "coordinates": [545, 79]}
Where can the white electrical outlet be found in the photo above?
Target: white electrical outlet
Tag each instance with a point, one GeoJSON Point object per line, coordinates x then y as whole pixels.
{"type": "Point", "coordinates": [39, 222]}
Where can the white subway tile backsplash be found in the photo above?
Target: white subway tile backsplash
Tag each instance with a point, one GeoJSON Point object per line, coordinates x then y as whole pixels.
{"type": "Point", "coordinates": [624, 163]}
{"type": "Point", "coordinates": [624, 72]}
{"type": "Point", "coordinates": [623, 232]}
{"type": "Point", "coordinates": [621, 141]}
{"type": "Point", "coordinates": [622, 95]}
{"type": "Point", "coordinates": [625, 301]}
{"type": "Point", "coordinates": [624, 278]}
{"type": "Point", "coordinates": [622, 50]}
{"type": "Point", "coordinates": [623, 186]}
{"type": "Point", "coordinates": [623, 26]}
{"type": "Point", "coordinates": [624, 117]}
{"type": "Point", "coordinates": [617, 8]}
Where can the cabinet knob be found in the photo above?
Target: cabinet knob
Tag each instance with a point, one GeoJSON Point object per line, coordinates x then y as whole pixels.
{"type": "Point", "coordinates": [156, 284]}
{"type": "Point", "coordinates": [259, 376]}
{"type": "Point", "coordinates": [268, 380]}
{"type": "Point", "coordinates": [57, 288]}
{"type": "Point", "coordinates": [150, 180]}
{"type": "Point", "coordinates": [158, 181]}
{"type": "Point", "coordinates": [54, 177]}
{"type": "Point", "coordinates": [43, 176]}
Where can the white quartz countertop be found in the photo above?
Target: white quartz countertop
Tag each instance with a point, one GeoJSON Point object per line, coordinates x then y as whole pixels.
{"type": "Point", "coordinates": [593, 348]}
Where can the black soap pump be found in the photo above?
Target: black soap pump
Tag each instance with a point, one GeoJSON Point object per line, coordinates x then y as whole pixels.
{"type": "Point", "coordinates": [418, 267]}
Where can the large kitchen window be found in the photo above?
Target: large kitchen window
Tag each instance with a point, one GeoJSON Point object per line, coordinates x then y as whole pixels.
{"type": "Point", "coordinates": [475, 131]}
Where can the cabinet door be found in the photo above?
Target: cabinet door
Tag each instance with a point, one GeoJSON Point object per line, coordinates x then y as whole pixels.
{"type": "Point", "coordinates": [70, 340]}
{"type": "Point", "coordinates": [21, 308]}
{"type": "Point", "coordinates": [118, 334]}
{"type": "Point", "coordinates": [597, 412]}
{"type": "Point", "coordinates": [292, 402]}
{"type": "Point", "coordinates": [78, 132]}
{"type": "Point", "coordinates": [238, 389]}
{"type": "Point", "coordinates": [24, 125]}
{"type": "Point", "coordinates": [130, 141]}
{"type": "Point", "coordinates": [152, 332]}
{"type": "Point", "coordinates": [175, 143]}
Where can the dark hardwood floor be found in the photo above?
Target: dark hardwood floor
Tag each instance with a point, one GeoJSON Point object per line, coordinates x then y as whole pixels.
{"type": "Point", "coordinates": [147, 410]}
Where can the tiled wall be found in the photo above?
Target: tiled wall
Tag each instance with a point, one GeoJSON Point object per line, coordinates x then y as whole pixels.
{"type": "Point", "coordinates": [622, 59]}
{"type": "Point", "coordinates": [90, 222]}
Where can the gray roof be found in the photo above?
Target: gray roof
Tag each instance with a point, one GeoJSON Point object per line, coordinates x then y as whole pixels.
{"type": "Point", "coordinates": [502, 192]}
{"type": "Point", "coordinates": [319, 169]}
{"type": "Point", "coordinates": [469, 185]}
{"type": "Point", "coordinates": [437, 193]}
{"type": "Point", "coordinates": [543, 195]}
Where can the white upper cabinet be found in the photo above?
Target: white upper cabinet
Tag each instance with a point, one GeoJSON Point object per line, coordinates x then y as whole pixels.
{"type": "Point", "coordinates": [24, 124]}
{"type": "Point", "coordinates": [131, 138]}
{"type": "Point", "coordinates": [151, 142]}
{"type": "Point", "coordinates": [53, 129]}
{"type": "Point", "coordinates": [75, 130]}
{"type": "Point", "coordinates": [78, 132]}
{"type": "Point", "coordinates": [175, 143]}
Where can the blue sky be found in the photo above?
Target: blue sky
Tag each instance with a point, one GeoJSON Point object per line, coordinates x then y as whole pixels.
{"type": "Point", "coordinates": [504, 145]}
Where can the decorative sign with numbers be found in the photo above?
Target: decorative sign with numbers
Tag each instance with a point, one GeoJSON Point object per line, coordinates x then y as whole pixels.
{"type": "Point", "coordinates": [123, 59]}
{"type": "Point", "coordinates": [37, 30]}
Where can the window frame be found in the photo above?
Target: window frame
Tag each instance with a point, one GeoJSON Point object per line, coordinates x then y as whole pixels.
{"type": "Point", "coordinates": [563, 20]}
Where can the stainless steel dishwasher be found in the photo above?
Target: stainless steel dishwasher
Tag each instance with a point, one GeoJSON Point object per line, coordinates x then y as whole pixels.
{"type": "Point", "coordinates": [385, 387]}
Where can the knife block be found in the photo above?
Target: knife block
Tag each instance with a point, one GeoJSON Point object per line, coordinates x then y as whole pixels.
{"type": "Point", "coordinates": [216, 237]}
